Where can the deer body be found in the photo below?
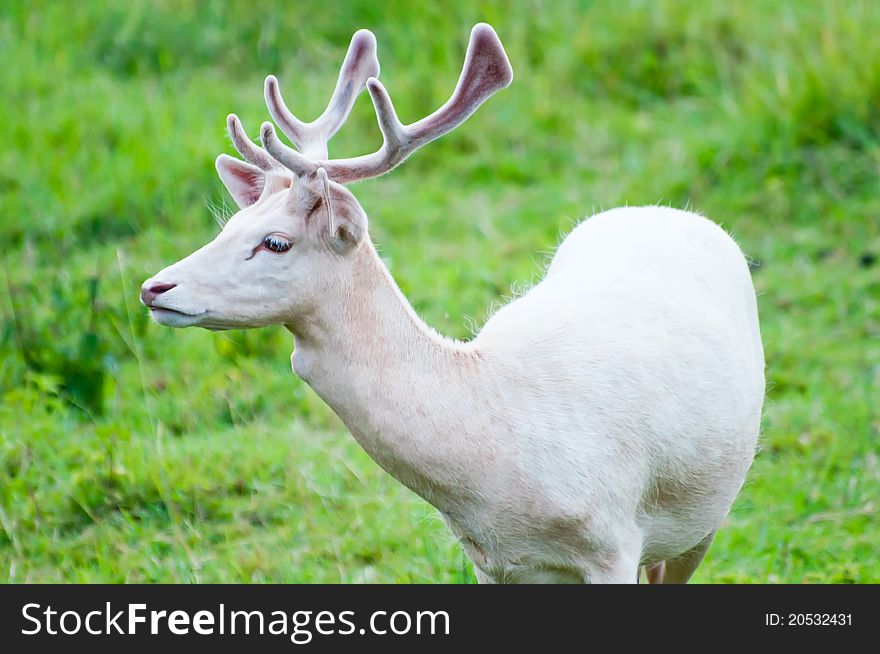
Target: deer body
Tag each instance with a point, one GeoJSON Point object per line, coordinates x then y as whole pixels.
{"type": "Point", "coordinates": [602, 421]}
{"type": "Point", "coordinates": [574, 446]}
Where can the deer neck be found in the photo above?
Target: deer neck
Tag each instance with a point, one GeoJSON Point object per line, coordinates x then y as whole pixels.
{"type": "Point", "coordinates": [401, 389]}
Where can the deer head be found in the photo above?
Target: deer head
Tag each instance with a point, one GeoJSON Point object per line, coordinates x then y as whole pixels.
{"type": "Point", "coordinates": [291, 242]}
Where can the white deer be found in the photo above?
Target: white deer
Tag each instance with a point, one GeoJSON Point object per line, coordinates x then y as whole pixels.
{"type": "Point", "coordinates": [603, 421]}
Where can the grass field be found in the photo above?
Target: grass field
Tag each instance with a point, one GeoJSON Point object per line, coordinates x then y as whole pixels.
{"type": "Point", "coordinates": [132, 452]}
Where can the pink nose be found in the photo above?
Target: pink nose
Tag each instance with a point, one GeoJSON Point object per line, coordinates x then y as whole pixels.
{"type": "Point", "coordinates": [149, 294]}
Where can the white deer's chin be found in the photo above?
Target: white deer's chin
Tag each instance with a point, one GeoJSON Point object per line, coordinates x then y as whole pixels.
{"type": "Point", "coordinates": [205, 319]}
{"type": "Point", "coordinates": [173, 318]}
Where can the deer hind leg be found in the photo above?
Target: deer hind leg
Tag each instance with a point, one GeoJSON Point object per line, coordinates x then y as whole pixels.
{"type": "Point", "coordinates": [680, 569]}
{"type": "Point", "coordinates": [655, 572]}
{"type": "Point", "coordinates": [482, 577]}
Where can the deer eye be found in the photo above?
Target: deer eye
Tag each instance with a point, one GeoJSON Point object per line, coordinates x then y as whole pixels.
{"type": "Point", "coordinates": [277, 243]}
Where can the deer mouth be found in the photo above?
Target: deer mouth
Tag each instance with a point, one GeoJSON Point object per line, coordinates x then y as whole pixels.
{"type": "Point", "coordinates": [161, 310]}
{"type": "Point", "coordinates": [175, 317]}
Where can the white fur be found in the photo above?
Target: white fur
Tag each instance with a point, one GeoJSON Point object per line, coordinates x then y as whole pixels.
{"type": "Point", "coordinates": [604, 420]}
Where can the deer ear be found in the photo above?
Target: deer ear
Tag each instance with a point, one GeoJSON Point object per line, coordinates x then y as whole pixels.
{"type": "Point", "coordinates": [244, 181]}
{"type": "Point", "coordinates": [347, 221]}
{"type": "Point", "coordinates": [349, 227]}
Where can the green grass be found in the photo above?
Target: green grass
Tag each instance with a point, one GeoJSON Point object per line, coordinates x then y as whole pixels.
{"type": "Point", "coordinates": [131, 452]}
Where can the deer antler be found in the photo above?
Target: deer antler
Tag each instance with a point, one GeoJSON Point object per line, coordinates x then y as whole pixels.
{"type": "Point", "coordinates": [311, 139]}
{"type": "Point", "coordinates": [486, 70]}
{"type": "Point", "coordinates": [360, 64]}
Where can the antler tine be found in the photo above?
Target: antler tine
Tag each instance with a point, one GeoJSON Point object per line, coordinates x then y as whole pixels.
{"type": "Point", "coordinates": [486, 70]}
{"type": "Point", "coordinates": [298, 163]}
{"type": "Point", "coordinates": [246, 148]}
{"type": "Point", "coordinates": [311, 139]}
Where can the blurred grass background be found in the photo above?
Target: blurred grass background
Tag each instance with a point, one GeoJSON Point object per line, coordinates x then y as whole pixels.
{"type": "Point", "coordinates": [131, 452]}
